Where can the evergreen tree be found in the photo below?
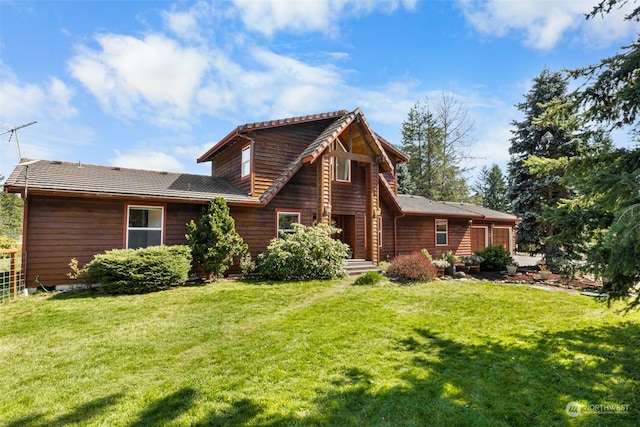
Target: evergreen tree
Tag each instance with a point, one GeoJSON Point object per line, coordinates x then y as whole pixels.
{"type": "Point", "coordinates": [491, 188]}
{"type": "Point", "coordinates": [529, 193]}
{"type": "Point", "coordinates": [434, 141]}
{"type": "Point", "coordinates": [421, 141]}
{"type": "Point", "coordinates": [405, 181]}
{"type": "Point", "coordinates": [214, 242]}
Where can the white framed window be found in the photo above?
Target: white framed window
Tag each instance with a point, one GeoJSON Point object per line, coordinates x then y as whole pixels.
{"type": "Point", "coordinates": [380, 231]}
{"type": "Point", "coordinates": [145, 226]}
{"type": "Point", "coordinates": [286, 221]}
{"type": "Point", "coordinates": [246, 161]}
{"type": "Point", "coordinates": [340, 168]}
{"type": "Point", "coordinates": [442, 232]}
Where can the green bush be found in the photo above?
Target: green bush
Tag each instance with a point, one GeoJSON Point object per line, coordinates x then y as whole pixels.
{"type": "Point", "coordinates": [7, 242]}
{"type": "Point", "coordinates": [214, 242]}
{"type": "Point", "coordinates": [369, 278]}
{"type": "Point", "coordinates": [137, 271]}
{"type": "Point", "coordinates": [412, 268]}
{"type": "Point", "coordinates": [306, 254]}
{"type": "Point", "coordinates": [496, 258]}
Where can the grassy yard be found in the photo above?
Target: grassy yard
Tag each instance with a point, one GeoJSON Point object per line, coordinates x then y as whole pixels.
{"type": "Point", "coordinates": [319, 353]}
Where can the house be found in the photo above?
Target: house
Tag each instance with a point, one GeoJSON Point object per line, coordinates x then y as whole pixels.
{"type": "Point", "coordinates": [322, 168]}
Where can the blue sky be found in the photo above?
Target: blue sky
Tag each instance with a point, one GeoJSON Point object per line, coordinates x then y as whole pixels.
{"type": "Point", "coordinates": [154, 84]}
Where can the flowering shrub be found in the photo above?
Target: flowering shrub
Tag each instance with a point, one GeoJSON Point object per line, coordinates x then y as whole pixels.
{"type": "Point", "coordinates": [412, 268]}
{"type": "Point", "coordinates": [306, 254]}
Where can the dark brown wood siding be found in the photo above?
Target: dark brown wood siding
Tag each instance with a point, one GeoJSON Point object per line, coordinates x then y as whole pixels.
{"type": "Point", "coordinates": [228, 163]}
{"type": "Point", "coordinates": [418, 232]}
{"type": "Point", "coordinates": [63, 228]}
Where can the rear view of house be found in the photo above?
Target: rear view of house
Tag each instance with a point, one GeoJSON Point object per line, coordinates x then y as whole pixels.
{"type": "Point", "coordinates": [323, 168]}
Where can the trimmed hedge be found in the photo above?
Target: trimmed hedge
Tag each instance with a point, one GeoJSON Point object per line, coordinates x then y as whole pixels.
{"type": "Point", "coordinates": [138, 271]}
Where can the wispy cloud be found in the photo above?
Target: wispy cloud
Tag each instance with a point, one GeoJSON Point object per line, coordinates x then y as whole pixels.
{"type": "Point", "coordinates": [543, 24]}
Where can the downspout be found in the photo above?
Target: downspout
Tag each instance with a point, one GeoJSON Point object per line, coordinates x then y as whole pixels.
{"type": "Point", "coordinates": [395, 234]}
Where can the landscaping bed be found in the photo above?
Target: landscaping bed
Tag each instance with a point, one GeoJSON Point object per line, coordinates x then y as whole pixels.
{"type": "Point", "coordinates": [531, 275]}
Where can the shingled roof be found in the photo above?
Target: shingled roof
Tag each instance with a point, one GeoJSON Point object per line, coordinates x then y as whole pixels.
{"type": "Point", "coordinates": [81, 179]}
{"type": "Point", "coordinates": [419, 205]}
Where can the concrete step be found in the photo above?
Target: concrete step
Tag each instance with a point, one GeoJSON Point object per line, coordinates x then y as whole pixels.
{"type": "Point", "coordinates": [354, 267]}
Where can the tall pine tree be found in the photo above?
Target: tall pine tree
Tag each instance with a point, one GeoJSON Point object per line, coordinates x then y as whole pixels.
{"type": "Point", "coordinates": [491, 188]}
{"type": "Point", "coordinates": [529, 193]}
{"type": "Point", "coordinates": [434, 139]}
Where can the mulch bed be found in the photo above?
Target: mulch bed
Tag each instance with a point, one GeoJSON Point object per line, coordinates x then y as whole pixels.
{"type": "Point", "coordinates": [531, 276]}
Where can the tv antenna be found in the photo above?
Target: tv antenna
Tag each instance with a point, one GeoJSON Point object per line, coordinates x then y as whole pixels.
{"type": "Point", "coordinates": [14, 131]}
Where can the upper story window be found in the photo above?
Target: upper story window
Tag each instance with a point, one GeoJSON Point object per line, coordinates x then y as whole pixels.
{"type": "Point", "coordinates": [286, 221]}
{"type": "Point", "coordinates": [145, 226]}
{"type": "Point", "coordinates": [340, 168]}
{"type": "Point", "coordinates": [442, 227]}
{"type": "Point", "coordinates": [246, 161]}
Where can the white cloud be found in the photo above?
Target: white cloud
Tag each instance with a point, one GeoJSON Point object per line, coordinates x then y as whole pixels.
{"type": "Point", "coordinates": [543, 23]}
{"type": "Point", "coordinates": [270, 16]}
{"type": "Point", "coordinates": [146, 159]}
{"type": "Point", "coordinates": [187, 24]}
{"type": "Point", "coordinates": [154, 77]}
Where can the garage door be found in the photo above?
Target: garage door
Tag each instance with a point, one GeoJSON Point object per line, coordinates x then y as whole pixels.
{"type": "Point", "coordinates": [478, 239]}
{"type": "Point", "coordinates": [502, 237]}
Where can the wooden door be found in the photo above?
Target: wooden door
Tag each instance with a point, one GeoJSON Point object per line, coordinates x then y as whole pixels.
{"type": "Point", "coordinates": [478, 239]}
{"type": "Point", "coordinates": [502, 237]}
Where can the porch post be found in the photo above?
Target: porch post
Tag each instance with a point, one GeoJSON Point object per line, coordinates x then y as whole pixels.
{"type": "Point", "coordinates": [373, 212]}
{"type": "Point", "coordinates": [323, 190]}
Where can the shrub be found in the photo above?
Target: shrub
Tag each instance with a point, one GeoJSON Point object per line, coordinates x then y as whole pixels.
{"type": "Point", "coordinates": [7, 242]}
{"type": "Point", "coordinates": [307, 253]}
{"type": "Point", "coordinates": [214, 242]}
{"type": "Point", "coordinates": [412, 268]}
{"type": "Point", "coordinates": [82, 275]}
{"type": "Point", "coordinates": [496, 258]}
{"type": "Point", "coordinates": [369, 278]}
{"type": "Point", "coordinates": [247, 265]}
{"type": "Point", "coordinates": [136, 271]}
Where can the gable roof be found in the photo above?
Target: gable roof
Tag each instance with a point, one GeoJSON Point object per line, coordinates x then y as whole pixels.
{"type": "Point", "coordinates": [241, 131]}
{"type": "Point", "coordinates": [419, 205]}
{"type": "Point", "coordinates": [45, 176]}
{"type": "Point", "coordinates": [322, 141]}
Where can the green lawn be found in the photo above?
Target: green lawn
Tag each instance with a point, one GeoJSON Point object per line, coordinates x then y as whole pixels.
{"type": "Point", "coordinates": [319, 353]}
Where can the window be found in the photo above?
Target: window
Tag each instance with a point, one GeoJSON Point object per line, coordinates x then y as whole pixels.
{"type": "Point", "coordinates": [340, 168]}
{"type": "Point", "coordinates": [286, 220]}
{"type": "Point", "coordinates": [246, 161]}
{"type": "Point", "coordinates": [441, 232]}
{"type": "Point", "coordinates": [144, 226]}
{"type": "Point", "coordinates": [380, 231]}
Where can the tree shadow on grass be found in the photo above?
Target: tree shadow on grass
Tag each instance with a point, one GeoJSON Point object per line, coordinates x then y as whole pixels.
{"type": "Point", "coordinates": [84, 412]}
{"type": "Point", "coordinates": [528, 381]}
{"type": "Point", "coordinates": [166, 409]}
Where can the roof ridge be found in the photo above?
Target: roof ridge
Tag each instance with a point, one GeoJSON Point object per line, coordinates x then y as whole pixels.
{"type": "Point", "coordinates": [292, 120]}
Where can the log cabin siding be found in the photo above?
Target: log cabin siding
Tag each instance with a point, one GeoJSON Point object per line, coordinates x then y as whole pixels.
{"type": "Point", "coordinates": [277, 148]}
{"type": "Point", "coordinates": [65, 228]}
{"type": "Point", "coordinates": [228, 163]}
{"type": "Point", "coordinates": [418, 232]}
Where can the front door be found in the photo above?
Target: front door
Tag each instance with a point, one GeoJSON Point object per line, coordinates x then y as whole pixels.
{"type": "Point", "coordinates": [347, 225]}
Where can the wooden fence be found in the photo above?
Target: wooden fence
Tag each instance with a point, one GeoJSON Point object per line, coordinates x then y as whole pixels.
{"type": "Point", "coordinates": [11, 283]}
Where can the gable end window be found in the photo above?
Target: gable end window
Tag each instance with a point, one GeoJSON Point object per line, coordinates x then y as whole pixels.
{"type": "Point", "coordinates": [340, 168]}
{"type": "Point", "coordinates": [145, 226]}
{"type": "Point", "coordinates": [286, 221]}
{"type": "Point", "coordinates": [246, 161]}
{"type": "Point", "coordinates": [442, 227]}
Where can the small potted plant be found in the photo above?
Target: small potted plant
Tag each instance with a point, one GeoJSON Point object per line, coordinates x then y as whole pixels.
{"type": "Point", "coordinates": [473, 262]}
{"type": "Point", "coordinates": [451, 259]}
{"type": "Point", "coordinates": [512, 268]}
{"type": "Point", "coordinates": [441, 265]}
{"type": "Point", "coordinates": [545, 273]}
